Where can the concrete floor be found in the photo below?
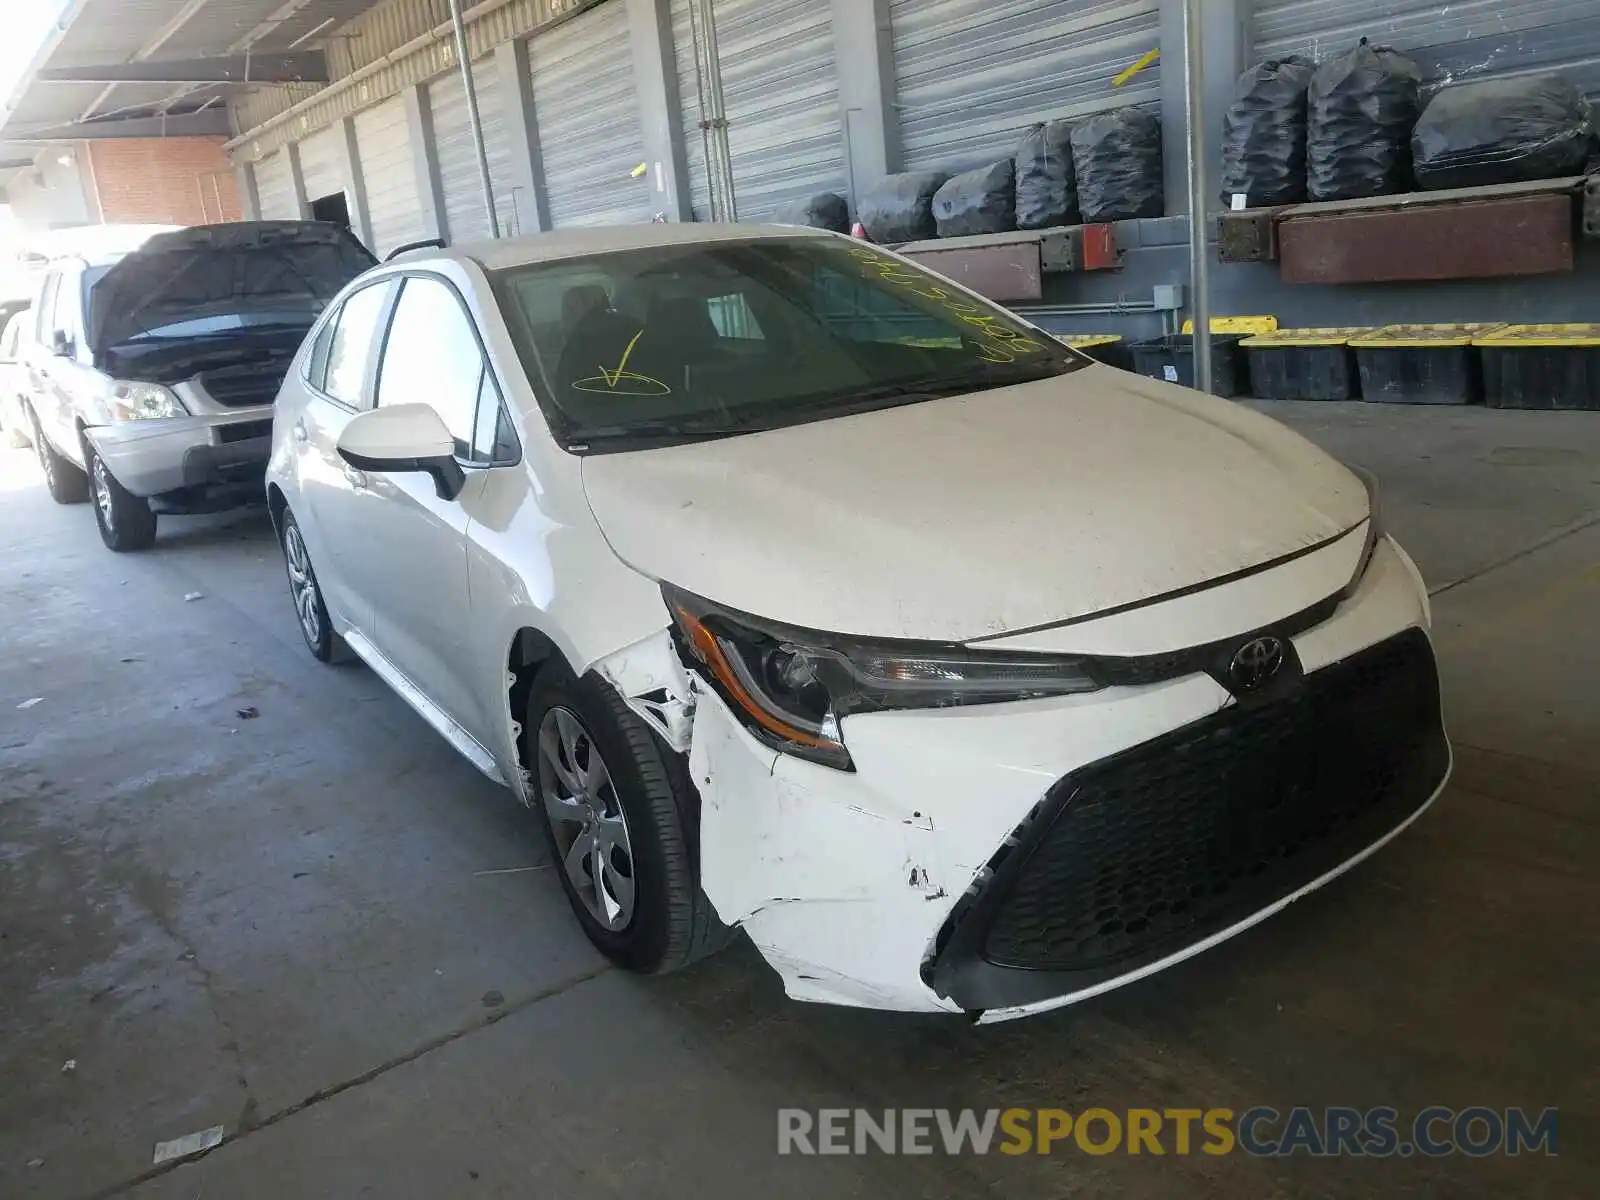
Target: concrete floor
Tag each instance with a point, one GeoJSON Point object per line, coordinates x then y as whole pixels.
{"type": "Point", "coordinates": [284, 925]}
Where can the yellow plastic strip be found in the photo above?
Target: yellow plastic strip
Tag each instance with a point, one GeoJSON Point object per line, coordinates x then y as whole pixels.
{"type": "Point", "coordinates": [1139, 64]}
{"type": "Point", "coordinates": [1421, 337]}
{"type": "Point", "coordinates": [1542, 335]}
{"type": "Point", "coordinates": [1261, 324]}
{"type": "Point", "coordinates": [1083, 341]}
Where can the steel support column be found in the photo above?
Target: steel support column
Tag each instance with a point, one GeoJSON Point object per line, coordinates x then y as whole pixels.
{"type": "Point", "coordinates": [529, 202]}
{"type": "Point", "coordinates": [297, 180]}
{"type": "Point", "coordinates": [249, 195]}
{"type": "Point", "coordinates": [864, 53]}
{"type": "Point", "coordinates": [350, 162]}
{"type": "Point", "coordinates": [464, 64]}
{"type": "Point", "coordinates": [425, 160]}
{"type": "Point", "coordinates": [655, 71]}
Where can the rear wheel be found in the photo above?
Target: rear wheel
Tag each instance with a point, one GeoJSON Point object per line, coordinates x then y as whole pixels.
{"type": "Point", "coordinates": [66, 482]}
{"type": "Point", "coordinates": [614, 802]}
{"type": "Point", "coordinates": [306, 592]}
{"type": "Point", "coordinates": [126, 521]}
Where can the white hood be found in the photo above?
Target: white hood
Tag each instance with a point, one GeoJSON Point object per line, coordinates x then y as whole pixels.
{"type": "Point", "coordinates": [967, 517]}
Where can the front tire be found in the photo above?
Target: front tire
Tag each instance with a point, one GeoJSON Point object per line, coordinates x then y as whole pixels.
{"type": "Point", "coordinates": [325, 645]}
{"type": "Point", "coordinates": [614, 803]}
{"type": "Point", "coordinates": [66, 483]}
{"type": "Point", "coordinates": [126, 521]}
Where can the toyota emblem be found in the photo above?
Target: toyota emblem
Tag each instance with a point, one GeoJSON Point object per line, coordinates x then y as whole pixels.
{"type": "Point", "coordinates": [1255, 662]}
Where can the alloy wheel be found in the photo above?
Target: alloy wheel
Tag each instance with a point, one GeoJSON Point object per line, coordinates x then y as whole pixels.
{"type": "Point", "coordinates": [302, 583]}
{"type": "Point", "coordinates": [586, 816]}
{"type": "Point", "coordinates": [102, 493]}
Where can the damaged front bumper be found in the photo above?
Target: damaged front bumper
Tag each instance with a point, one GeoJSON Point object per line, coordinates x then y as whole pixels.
{"type": "Point", "coordinates": [1006, 859]}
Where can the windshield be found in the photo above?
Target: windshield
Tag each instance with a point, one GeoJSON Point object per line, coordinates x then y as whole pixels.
{"type": "Point", "coordinates": [681, 343]}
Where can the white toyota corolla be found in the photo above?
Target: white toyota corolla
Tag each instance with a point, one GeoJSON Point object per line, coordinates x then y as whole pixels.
{"type": "Point", "coordinates": [805, 592]}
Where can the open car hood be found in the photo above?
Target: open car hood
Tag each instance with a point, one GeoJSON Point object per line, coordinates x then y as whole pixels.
{"type": "Point", "coordinates": [212, 270]}
{"type": "Point", "coordinates": [973, 516]}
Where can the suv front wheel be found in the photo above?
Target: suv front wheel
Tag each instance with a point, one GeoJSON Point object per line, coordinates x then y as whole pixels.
{"type": "Point", "coordinates": [126, 521]}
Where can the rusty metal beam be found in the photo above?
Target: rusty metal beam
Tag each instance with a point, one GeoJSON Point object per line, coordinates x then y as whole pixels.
{"type": "Point", "coordinates": [1009, 270]}
{"type": "Point", "coordinates": [1485, 239]}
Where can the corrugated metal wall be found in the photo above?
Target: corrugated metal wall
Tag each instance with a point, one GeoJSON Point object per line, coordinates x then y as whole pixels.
{"type": "Point", "coordinates": [1450, 39]}
{"type": "Point", "coordinates": [275, 187]}
{"type": "Point", "coordinates": [321, 167]}
{"type": "Point", "coordinates": [590, 136]}
{"type": "Point", "coordinates": [465, 217]}
{"type": "Point", "coordinates": [780, 87]}
{"type": "Point", "coordinates": [972, 75]}
{"type": "Point", "coordinates": [384, 143]}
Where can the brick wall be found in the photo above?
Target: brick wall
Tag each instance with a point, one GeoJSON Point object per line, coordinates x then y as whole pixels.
{"type": "Point", "coordinates": [165, 181]}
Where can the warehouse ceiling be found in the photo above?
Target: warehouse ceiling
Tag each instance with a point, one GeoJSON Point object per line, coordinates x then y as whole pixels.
{"type": "Point", "coordinates": [124, 68]}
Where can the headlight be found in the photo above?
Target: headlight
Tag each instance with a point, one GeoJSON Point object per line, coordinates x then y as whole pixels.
{"type": "Point", "coordinates": [143, 402]}
{"type": "Point", "coordinates": [791, 687]}
{"type": "Point", "coordinates": [1374, 523]}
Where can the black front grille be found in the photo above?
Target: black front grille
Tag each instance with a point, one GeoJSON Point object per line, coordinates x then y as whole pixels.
{"type": "Point", "coordinates": [244, 431]}
{"type": "Point", "coordinates": [1156, 848]}
{"type": "Point", "coordinates": [244, 386]}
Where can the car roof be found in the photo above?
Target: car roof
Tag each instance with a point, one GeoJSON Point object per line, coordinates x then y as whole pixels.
{"type": "Point", "coordinates": [578, 243]}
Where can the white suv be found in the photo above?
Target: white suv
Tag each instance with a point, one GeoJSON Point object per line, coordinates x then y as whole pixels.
{"type": "Point", "coordinates": [803, 591]}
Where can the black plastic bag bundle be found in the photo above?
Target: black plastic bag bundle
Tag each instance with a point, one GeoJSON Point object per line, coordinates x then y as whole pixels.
{"type": "Point", "coordinates": [1502, 131]}
{"type": "Point", "coordinates": [1047, 190]}
{"type": "Point", "coordinates": [1116, 157]}
{"type": "Point", "coordinates": [1264, 134]}
{"type": "Point", "coordinates": [899, 208]}
{"type": "Point", "coordinates": [1360, 110]}
{"type": "Point", "coordinates": [981, 201]}
{"type": "Point", "coordinates": [825, 210]}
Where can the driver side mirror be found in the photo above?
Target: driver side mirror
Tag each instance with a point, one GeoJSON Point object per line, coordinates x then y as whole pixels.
{"type": "Point", "coordinates": [61, 345]}
{"type": "Point", "coordinates": [404, 437]}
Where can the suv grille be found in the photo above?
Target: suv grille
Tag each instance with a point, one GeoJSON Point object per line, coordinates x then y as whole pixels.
{"type": "Point", "coordinates": [245, 386]}
{"type": "Point", "coordinates": [1156, 848]}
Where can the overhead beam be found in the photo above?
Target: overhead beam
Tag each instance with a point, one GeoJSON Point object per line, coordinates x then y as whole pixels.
{"type": "Point", "coordinates": [213, 122]}
{"type": "Point", "coordinates": [161, 37]}
{"type": "Point", "coordinates": [298, 66]}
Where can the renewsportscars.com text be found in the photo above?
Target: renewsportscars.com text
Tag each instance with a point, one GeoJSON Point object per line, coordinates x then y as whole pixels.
{"type": "Point", "coordinates": [1260, 1131]}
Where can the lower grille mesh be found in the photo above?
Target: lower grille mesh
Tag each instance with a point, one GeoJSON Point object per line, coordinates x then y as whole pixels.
{"type": "Point", "coordinates": [1176, 839]}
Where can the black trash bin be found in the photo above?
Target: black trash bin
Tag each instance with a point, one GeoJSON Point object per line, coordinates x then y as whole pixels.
{"type": "Point", "coordinates": [1302, 364]}
{"type": "Point", "coordinates": [1108, 348]}
{"type": "Point", "coordinates": [1541, 366]}
{"type": "Point", "coordinates": [1172, 358]}
{"type": "Point", "coordinates": [1421, 364]}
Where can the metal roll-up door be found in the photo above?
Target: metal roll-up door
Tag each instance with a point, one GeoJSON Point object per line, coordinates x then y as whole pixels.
{"type": "Point", "coordinates": [389, 174]}
{"type": "Point", "coordinates": [321, 167]}
{"type": "Point", "coordinates": [1461, 40]}
{"type": "Point", "coordinates": [275, 188]}
{"type": "Point", "coordinates": [465, 217]}
{"type": "Point", "coordinates": [972, 75]}
{"type": "Point", "coordinates": [780, 91]}
{"type": "Point", "coordinates": [590, 136]}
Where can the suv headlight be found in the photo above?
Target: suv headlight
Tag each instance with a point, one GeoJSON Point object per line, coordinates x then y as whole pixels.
{"type": "Point", "coordinates": [791, 687]}
{"type": "Point", "coordinates": [143, 402]}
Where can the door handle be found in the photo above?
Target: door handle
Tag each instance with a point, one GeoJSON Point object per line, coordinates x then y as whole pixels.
{"type": "Point", "coordinates": [299, 431]}
{"type": "Point", "coordinates": [356, 479]}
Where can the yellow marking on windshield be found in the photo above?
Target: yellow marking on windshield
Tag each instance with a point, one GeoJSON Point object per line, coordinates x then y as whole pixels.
{"type": "Point", "coordinates": [611, 381]}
